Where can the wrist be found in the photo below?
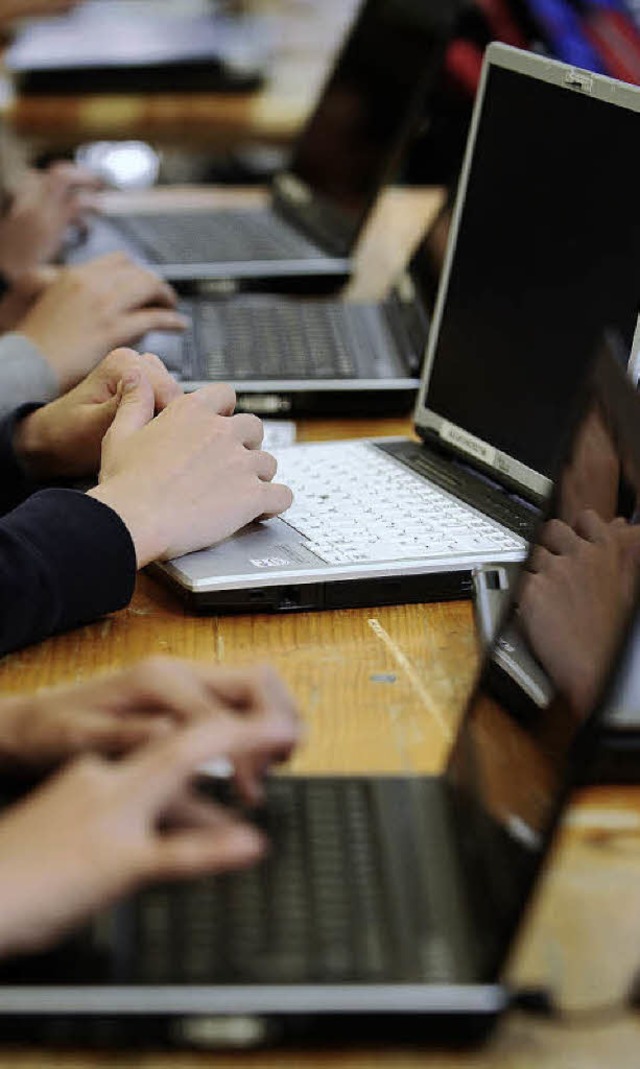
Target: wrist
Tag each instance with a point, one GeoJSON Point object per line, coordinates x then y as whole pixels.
{"type": "Point", "coordinates": [14, 743]}
{"type": "Point", "coordinates": [32, 448]}
{"type": "Point", "coordinates": [137, 518]}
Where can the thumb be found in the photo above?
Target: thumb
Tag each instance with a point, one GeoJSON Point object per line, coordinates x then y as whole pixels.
{"type": "Point", "coordinates": [136, 405]}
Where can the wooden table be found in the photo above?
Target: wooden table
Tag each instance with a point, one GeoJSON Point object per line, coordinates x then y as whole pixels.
{"type": "Point", "coordinates": [381, 690]}
{"type": "Point", "coordinates": [305, 35]}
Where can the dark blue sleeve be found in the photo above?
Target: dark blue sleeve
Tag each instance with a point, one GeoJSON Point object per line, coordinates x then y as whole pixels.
{"type": "Point", "coordinates": [14, 484]}
{"type": "Point", "coordinates": [65, 559]}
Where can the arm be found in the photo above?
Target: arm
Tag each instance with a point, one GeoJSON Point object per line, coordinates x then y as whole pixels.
{"type": "Point", "coordinates": [65, 559]}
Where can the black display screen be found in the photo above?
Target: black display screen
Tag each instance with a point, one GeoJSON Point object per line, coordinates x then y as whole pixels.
{"type": "Point", "coordinates": [548, 251]}
{"type": "Point", "coordinates": [391, 56]}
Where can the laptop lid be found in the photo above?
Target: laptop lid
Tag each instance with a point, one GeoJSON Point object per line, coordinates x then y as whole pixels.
{"type": "Point", "coordinates": [544, 248]}
{"type": "Point", "coordinates": [364, 116]}
{"type": "Point", "coordinates": [519, 749]}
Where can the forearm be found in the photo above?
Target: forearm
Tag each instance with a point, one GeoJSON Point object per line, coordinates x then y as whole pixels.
{"type": "Point", "coordinates": [65, 559]}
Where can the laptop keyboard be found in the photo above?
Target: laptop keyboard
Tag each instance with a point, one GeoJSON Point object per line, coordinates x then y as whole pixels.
{"type": "Point", "coordinates": [317, 908]}
{"type": "Point", "coordinates": [281, 339]}
{"type": "Point", "coordinates": [352, 504]}
{"type": "Point", "coordinates": [225, 236]}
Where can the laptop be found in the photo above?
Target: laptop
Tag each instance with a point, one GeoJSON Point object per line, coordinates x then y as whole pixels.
{"type": "Point", "coordinates": [388, 906]}
{"type": "Point", "coordinates": [536, 264]}
{"type": "Point", "coordinates": [131, 46]}
{"type": "Point", "coordinates": [289, 356]}
{"type": "Point", "coordinates": [350, 146]}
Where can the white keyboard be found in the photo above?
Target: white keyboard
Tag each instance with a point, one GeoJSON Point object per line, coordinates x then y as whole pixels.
{"type": "Point", "coordinates": [352, 503]}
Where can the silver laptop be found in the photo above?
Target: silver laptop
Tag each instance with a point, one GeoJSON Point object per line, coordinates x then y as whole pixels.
{"type": "Point", "coordinates": [388, 906]}
{"type": "Point", "coordinates": [536, 264]}
{"type": "Point", "coordinates": [350, 146]}
{"type": "Point", "coordinates": [131, 46]}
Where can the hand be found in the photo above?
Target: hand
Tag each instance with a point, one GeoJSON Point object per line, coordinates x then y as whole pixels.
{"type": "Point", "coordinates": [575, 602]}
{"type": "Point", "coordinates": [95, 307]}
{"type": "Point", "coordinates": [40, 212]}
{"type": "Point", "coordinates": [117, 712]}
{"type": "Point", "coordinates": [63, 439]}
{"type": "Point", "coordinates": [23, 294]}
{"type": "Point", "coordinates": [101, 828]}
{"type": "Point", "coordinates": [188, 478]}
{"type": "Point", "coordinates": [592, 479]}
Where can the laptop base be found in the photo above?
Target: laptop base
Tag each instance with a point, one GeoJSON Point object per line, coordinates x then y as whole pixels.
{"type": "Point", "coordinates": [312, 597]}
{"type": "Point", "coordinates": [326, 404]}
{"type": "Point", "coordinates": [246, 1032]}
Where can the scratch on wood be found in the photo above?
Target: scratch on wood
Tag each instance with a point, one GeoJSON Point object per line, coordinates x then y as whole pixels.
{"type": "Point", "coordinates": [411, 674]}
{"type": "Point", "coordinates": [220, 647]}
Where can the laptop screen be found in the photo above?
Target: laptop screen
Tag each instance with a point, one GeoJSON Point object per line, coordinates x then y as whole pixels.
{"type": "Point", "coordinates": [374, 93]}
{"type": "Point", "coordinates": [545, 248]}
{"type": "Point", "coordinates": [512, 761]}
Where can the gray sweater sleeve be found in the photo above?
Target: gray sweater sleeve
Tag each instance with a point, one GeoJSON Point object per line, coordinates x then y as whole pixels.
{"type": "Point", "coordinates": [25, 375]}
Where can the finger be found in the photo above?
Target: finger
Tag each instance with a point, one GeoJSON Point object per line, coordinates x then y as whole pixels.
{"type": "Point", "coordinates": [590, 526]}
{"type": "Point", "coordinates": [135, 286]}
{"type": "Point", "coordinates": [249, 690]}
{"type": "Point", "coordinates": [265, 464]}
{"type": "Point", "coordinates": [77, 205]}
{"type": "Point", "coordinates": [193, 810]}
{"type": "Point", "coordinates": [165, 388]}
{"type": "Point", "coordinates": [276, 498]}
{"type": "Point", "coordinates": [539, 559]}
{"type": "Point", "coordinates": [249, 429]}
{"type": "Point", "coordinates": [113, 735]}
{"type": "Point", "coordinates": [163, 767]}
{"type": "Point", "coordinates": [129, 326]}
{"type": "Point", "coordinates": [173, 686]}
{"type": "Point", "coordinates": [234, 845]}
{"type": "Point", "coordinates": [73, 176]}
{"type": "Point", "coordinates": [558, 537]}
{"type": "Point", "coordinates": [219, 397]}
{"type": "Point", "coordinates": [136, 406]}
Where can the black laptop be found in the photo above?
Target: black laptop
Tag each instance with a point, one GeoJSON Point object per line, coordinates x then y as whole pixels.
{"type": "Point", "coordinates": [315, 356]}
{"type": "Point", "coordinates": [350, 146]}
{"type": "Point", "coordinates": [388, 905]}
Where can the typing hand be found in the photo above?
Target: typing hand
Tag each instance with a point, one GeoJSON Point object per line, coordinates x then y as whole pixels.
{"type": "Point", "coordinates": [188, 478]}
{"type": "Point", "coordinates": [91, 309]}
{"type": "Point", "coordinates": [101, 828]}
{"type": "Point", "coordinates": [63, 439]}
{"type": "Point", "coordinates": [46, 203]}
